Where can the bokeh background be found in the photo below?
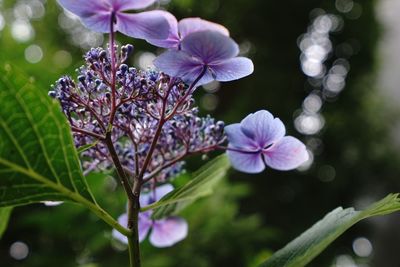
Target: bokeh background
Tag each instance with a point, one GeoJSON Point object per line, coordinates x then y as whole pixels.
{"type": "Point", "coordinates": [328, 68]}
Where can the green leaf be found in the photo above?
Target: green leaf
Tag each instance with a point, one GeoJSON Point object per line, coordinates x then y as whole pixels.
{"type": "Point", "coordinates": [311, 243]}
{"type": "Point", "coordinates": [38, 160]}
{"type": "Point", "coordinates": [202, 184]}
{"type": "Point", "coordinates": [4, 217]}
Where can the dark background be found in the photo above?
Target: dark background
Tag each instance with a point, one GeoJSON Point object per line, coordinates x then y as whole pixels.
{"type": "Point", "coordinates": [249, 216]}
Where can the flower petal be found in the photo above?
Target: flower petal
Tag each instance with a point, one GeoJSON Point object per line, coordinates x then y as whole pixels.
{"type": "Point", "coordinates": [172, 40]}
{"type": "Point", "coordinates": [122, 5]}
{"type": "Point", "coordinates": [167, 232]}
{"type": "Point", "coordinates": [155, 195]}
{"type": "Point", "coordinates": [145, 25]}
{"type": "Point", "coordinates": [190, 25]}
{"type": "Point", "coordinates": [263, 128]}
{"type": "Point", "coordinates": [232, 69]}
{"type": "Point", "coordinates": [210, 46]}
{"type": "Point", "coordinates": [287, 154]}
{"type": "Point", "coordinates": [177, 63]}
{"type": "Point", "coordinates": [246, 162]}
{"type": "Point", "coordinates": [144, 225]}
{"type": "Point", "coordinates": [162, 190]}
{"type": "Point", "coordinates": [98, 23]}
{"type": "Point", "coordinates": [85, 8]}
{"type": "Point", "coordinates": [239, 140]}
{"type": "Point", "coordinates": [180, 64]}
{"type": "Point", "coordinates": [122, 220]}
{"type": "Point", "coordinates": [94, 14]}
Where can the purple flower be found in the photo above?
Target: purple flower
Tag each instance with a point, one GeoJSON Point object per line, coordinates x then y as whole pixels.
{"type": "Point", "coordinates": [85, 102]}
{"type": "Point", "coordinates": [165, 232]}
{"type": "Point", "coordinates": [98, 14]}
{"type": "Point", "coordinates": [210, 53]}
{"type": "Point", "coordinates": [178, 31]}
{"type": "Point", "coordinates": [259, 140]}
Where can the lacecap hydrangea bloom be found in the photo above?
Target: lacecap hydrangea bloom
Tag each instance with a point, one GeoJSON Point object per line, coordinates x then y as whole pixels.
{"type": "Point", "coordinates": [144, 123]}
{"type": "Point", "coordinates": [142, 98]}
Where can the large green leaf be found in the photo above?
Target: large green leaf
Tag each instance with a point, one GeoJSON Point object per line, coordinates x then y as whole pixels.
{"type": "Point", "coordinates": [307, 246]}
{"type": "Point", "coordinates": [38, 160]}
{"type": "Point", "coordinates": [4, 217]}
{"type": "Point", "coordinates": [203, 183]}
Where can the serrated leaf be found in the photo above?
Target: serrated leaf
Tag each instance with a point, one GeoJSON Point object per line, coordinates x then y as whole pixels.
{"type": "Point", "coordinates": [38, 160]}
{"type": "Point", "coordinates": [202, 184]}
{"type": "Point", "coordinates": [311, 243]}
{"type": "Point", "coordinates": [4, 217]}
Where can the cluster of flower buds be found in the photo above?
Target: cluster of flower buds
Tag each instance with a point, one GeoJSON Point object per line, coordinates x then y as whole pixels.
{"type": "Point", "coordinates": [143, 99]}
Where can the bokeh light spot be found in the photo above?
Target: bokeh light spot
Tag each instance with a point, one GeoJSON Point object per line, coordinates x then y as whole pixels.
{"type": "Point", "coordinates": [326, 173]}
{"type": "Point", "coordinates": [344, 6]}
{"type": "Point", "coordinates": [62, 59]}
{"type": "Point", "coordinates": [19, 250]}
{"type": "Point", "coordinates": [309, 124]}
{"type": "Point", "coordinates": [2, 22]}
{"type": "Point", "coordinates": [33, 54]}
{"type": "Point", "coordinates": [209, 102]}
{"type": "Point", "coordinates": [22, 31]}
{"type": "Point", "coordinates": [362, 247]}
{"type": "Point", "coordinates": [145, 60]}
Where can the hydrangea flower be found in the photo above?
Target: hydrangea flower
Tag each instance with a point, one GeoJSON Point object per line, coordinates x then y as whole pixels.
{"type": "Point", "coordinates": [98, 14]}
{"type": "Point", "coordinates": [210, 55]}
{"type": "Point", "coordinates": [163, 233]}
{"type": "Point", "coordinates": [259, 140]}
{"type": "Point", "coordinates": [85, 102]}
{"type": "Point", "coordinates": [179, 30]}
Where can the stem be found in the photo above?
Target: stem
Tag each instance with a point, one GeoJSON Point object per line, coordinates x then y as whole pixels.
{"type": "Point", "coordinates": [164, 119]}
{"type": "Point", "coordinates": [189, 92]}
{"type": "Point", "coordinates": [133, 196]}
{"type": "Point", "coordinates": [92, 134]}
{"type": "Point", "coordinates": [134, 258]}
{"type": "Point", "coordinates": [157, 134]}
{"type": "Point", "coordinates": [133, 204]}
{"type": "Point", "coordinates": [120, 169]}
{"type": "Point", "coordinates": [159, 169]}
{"type": "Point", "coordinates": [133, 239]}
{"type": "Point", "coordinates": [179, 158]}
{"type": "Point", "coordinates": [113, 71]}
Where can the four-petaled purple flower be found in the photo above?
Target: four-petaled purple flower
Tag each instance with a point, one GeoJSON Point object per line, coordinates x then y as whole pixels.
{"type": "Point", "coordinates": [259, 140]}
{"type": "Point", "coordinates": [210, 55]}
{"type": "Point", "coordinates": [165, 232]}
{"type": "Point", "coordinates": [97, 15]}
{"type": "Point", "coordinates": [179, 30]}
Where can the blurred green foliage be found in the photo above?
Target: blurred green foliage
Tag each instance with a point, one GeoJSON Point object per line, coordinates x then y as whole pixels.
{"type": "Point", "coordinates": [248, 217]}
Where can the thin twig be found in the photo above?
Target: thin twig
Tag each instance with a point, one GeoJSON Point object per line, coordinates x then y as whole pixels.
{"type": "Point", "coordinates": [92, 134]}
